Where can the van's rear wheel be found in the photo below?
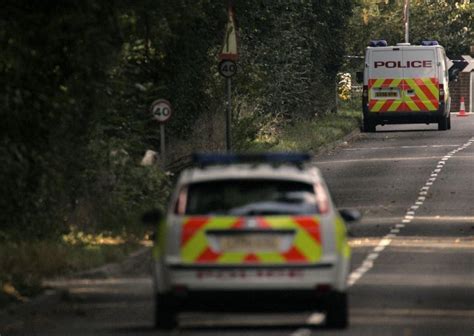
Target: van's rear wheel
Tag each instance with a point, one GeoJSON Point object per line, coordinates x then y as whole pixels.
{"type": "Point", "coordinates": [166, 311]}
{"type": "Point", "coordinates": [443, 124]}
{"type": "Point", "coordinates": [368, 126]}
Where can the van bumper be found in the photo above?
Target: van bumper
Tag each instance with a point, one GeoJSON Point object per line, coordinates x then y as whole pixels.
{"type": "Point", "coordinates": [408, 117]}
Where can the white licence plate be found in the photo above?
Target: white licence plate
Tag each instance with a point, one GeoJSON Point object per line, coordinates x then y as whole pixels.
{"type": "Point", "coordinates": [249, 243]}
{"type": "Point", "coordinates": [386, 94]}
{"type": "Point", "coordinates": [250, 274]}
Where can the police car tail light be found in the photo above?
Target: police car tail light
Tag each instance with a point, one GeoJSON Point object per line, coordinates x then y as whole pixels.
{"type": "Point", "coordinates": [322, 199]}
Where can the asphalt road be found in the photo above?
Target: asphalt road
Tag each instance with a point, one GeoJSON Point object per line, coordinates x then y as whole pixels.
{"type": "Point", "coordinates": [413, 252]}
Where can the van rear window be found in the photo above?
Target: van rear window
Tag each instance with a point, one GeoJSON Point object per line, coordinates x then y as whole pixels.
{"type": "Point", "coordinates": [247, 197]}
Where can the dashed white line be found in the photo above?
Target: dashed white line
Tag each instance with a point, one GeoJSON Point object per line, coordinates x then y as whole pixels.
{"type": "Point", "coordinates": [368, 262]}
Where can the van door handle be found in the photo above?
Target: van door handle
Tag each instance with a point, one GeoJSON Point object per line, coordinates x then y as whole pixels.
{"type": "Point", "coordinates": [411, 91]}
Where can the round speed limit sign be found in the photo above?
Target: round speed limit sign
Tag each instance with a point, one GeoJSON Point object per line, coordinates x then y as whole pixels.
{"type": "Point", "coordinates": [227, 68]}
{"type": "Point", "coordinates": [161, 110]}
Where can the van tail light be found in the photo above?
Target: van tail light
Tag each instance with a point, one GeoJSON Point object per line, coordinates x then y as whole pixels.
{"type": "Point", "coordinates": [441, 92]}
{"type": "Point", "coordinates": [365, 91]}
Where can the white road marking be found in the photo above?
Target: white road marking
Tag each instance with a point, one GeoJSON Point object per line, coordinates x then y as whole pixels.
{"type": "Point", "coordinates": [398, 147]}
{"type": "Point", "coordinates": [368, 262]}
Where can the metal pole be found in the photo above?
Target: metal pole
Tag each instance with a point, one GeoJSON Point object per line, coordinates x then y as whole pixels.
{"type": "Point", "coordinates": [407, 20]}
{"type": "Point", "coordinates": [162, 145]}
{"type": "Point", "coordinates": [228, 115]}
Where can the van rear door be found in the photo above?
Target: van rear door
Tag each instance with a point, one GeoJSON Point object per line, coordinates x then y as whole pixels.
{"type": "Point", "coordinates": [385, 79]}
{"type": "Point", "coordinates": [421, 86]}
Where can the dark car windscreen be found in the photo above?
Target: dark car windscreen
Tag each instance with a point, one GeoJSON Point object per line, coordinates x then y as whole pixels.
{"type": "Point", "coordinates": [246, 197]}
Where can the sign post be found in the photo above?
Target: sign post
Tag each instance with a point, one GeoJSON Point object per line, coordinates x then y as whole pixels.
{"type": "Point", "coordinates": [228, 68]}
{"type": "Point", "coordinates": [406, 19]}
{"type": "Point", "coordinates": [161, 111]}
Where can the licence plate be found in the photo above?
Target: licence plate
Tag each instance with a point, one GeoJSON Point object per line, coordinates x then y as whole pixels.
{"type": "Point", "coordinates": [249, 243]}
{"type": "Point", "coordinates": [386, 94]}
{"type": "Point", "coordinates": [250, 274]}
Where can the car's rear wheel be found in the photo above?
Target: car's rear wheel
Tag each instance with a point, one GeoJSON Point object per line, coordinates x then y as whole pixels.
{"type": "Point", "coordinates": [337, 312]}
{"type": "Point", "coordinates": [449, 121]}
{"type": "Point", "coordinates": [166, 311]}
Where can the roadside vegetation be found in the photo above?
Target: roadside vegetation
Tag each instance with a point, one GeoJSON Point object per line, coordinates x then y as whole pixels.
{"type": "Point", "coordinates": [77, 79]}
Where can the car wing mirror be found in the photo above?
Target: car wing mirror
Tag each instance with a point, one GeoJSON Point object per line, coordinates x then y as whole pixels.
{"type": "Point", "coordinates": [359, 76]}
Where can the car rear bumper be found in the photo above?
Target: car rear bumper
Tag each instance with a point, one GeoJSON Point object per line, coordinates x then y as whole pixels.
{"type": "Point", "coordinates": [253, 278]}
{"type": "Point", "coordinates": [251, 300]}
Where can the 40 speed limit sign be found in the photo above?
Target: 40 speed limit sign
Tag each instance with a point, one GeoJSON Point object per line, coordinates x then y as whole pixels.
{"type": "Point", "coordinates": [227, 68]}
{"type": "Point", "coordinates": [161, 110]}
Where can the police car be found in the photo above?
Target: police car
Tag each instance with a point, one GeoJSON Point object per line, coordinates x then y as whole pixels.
{"type": "Point", "coordinates": [251, 232]}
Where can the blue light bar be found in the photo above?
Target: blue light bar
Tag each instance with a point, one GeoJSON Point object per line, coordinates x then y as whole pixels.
{"type": "Point", "coordinates": [378, 43]}
{"type": "Point", "coordinates": [429, 43]}
{"type": "Point", "coordinates": [203, 159]}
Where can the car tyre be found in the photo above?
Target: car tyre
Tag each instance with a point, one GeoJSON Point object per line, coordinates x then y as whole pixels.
{"type": "Point", "coordinates": [449, 121]}
{"type": "Point", "coordinates": [337, 312]}
{"type": "Point", "coordinates": [166, 312]}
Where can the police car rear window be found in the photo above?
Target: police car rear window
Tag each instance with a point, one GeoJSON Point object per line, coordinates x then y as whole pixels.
{"type": "Point", "coordinates": [248, 197]}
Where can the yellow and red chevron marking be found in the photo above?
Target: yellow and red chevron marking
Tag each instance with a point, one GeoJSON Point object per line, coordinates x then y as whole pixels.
{"type": "Point", "coordinates": [306, 248]}
{"type": "Point", "coordinates": [425, 96]}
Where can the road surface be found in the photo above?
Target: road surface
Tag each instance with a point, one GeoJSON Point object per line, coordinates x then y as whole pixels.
{"type": "Point", "coordinates": [413, 251]}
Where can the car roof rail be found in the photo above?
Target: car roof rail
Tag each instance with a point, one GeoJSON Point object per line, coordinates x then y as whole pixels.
{"type": "Point", "coordinates": [273, 158]}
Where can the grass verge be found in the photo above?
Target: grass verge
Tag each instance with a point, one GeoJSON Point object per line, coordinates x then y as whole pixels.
{"type": "Point", "coordinates": [311, 135]}
{"type": "Point", "coordinates": [23, 265]}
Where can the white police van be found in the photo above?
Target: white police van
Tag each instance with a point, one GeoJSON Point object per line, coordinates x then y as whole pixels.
{"type": "Point", "coordinates": [251, 232]}
{"type": "Point", "coordinates": [405, 84]}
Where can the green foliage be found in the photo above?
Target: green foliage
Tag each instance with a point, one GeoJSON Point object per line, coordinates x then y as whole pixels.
{"type": "Point", "coordinates": [310, 136]}
{"type": "Point", "coordinates": [290, 55]}
{"type": "Point", "coordinates": [52, 66]}
{"type": "Point", "coordinates": [77, 79]}
{"type": "Point", "coordinates": [23, 265]}
{"type": "Point", "coordinates": [449, 22]}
